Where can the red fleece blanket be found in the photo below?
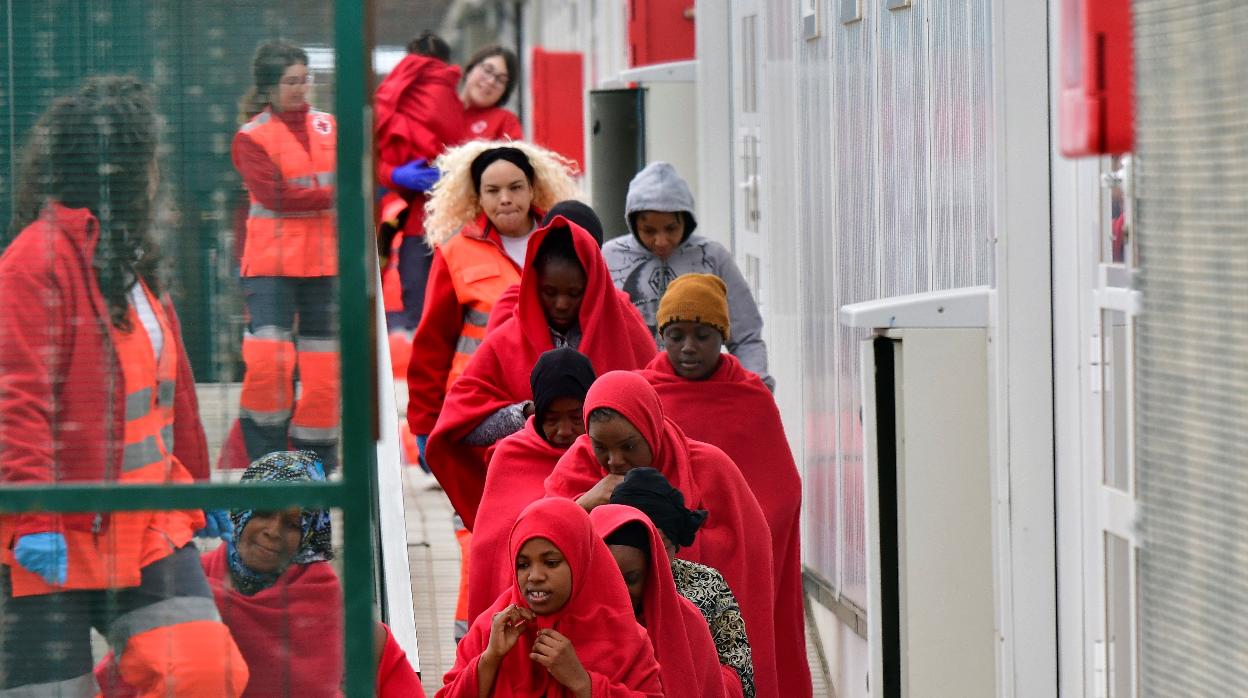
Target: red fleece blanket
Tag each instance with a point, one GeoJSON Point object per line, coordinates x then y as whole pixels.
{"type": "Point", "coordinates": [612, 336]}
{"type": "Point", "coordinates": [417, 111]}
{"type": "Point", "coordinates": [734, 540]}
{"type": "Point", "coordinates": [519, 464]}
{"type": "Point", "coordinates": [290, 634]}
{"type": "Point", "coordinates": [712, 410]}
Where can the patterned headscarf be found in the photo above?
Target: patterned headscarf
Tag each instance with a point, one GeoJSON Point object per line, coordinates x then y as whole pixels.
{"type": "Point", "coordinates": [316, 545]}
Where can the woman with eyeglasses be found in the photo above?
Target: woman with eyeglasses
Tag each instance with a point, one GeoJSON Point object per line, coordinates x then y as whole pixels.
{"type": "Point", "coordinates": [285, 152]}
{"type": "Point", "coordinates": [489, 79]}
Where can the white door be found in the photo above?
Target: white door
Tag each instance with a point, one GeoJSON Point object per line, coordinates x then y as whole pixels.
{"type": "Point", "coordinates": [1111, 546]}
{"type": "Point", "coordinates": [747, 146]}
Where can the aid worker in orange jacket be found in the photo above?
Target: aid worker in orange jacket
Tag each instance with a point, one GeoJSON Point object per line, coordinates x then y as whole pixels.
{"type": "Point", "coordinates": [285, 152]}
{"type": "Point", "coordinates": [95, 386]}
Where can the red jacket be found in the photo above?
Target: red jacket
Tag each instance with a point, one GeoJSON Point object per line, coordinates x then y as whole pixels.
{"type": "Point", "coordinates": [491, 124]}
{"type": "Point", "coordinates": [62, 398]}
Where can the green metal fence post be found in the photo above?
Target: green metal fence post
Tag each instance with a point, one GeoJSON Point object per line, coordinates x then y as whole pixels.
{"type": "Point", "coordinates": [359, 426]}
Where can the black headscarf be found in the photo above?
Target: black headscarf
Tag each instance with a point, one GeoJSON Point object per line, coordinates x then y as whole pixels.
{"type": "Point", "coordinates": [562, 372]}
{"type": "Point", "coordinates": [579, 213]}
{"type": "Point", "coordinates": [513, 155]}
{"type": "Point", "coordinates": [646, 489]}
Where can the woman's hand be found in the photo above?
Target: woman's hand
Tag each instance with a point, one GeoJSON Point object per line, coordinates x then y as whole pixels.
{"type": "Point", "coordinates": [600, 493]}
{"type": "Point", "coordinates": [555, 652]}
{"type": "Point", "coordinates": [506, 628]}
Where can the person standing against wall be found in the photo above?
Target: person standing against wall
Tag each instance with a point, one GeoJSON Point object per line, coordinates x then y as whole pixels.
{"type": "Point", "coordinates": [663, 246]}
{"type": "Point", "coordinates": [285, 152]}
{"type": "Point", "coordinates": [95, 386]}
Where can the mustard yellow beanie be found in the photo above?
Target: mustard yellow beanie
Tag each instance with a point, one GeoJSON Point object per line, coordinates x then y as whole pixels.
{"type": "Point", "coordinates": [701, 298]}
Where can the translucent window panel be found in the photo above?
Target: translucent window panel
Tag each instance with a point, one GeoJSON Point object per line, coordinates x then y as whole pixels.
{"type": "Point", "coordinates": [1120, 623]}
{"type": "Point", "coordinates": [1115, 242]}
{"type": "Point", "coordinates": [1116, 358]}
{"type": "Point", "coordinates": [749, 64]}
{"type": "Point", "coordinates": [151, 270]}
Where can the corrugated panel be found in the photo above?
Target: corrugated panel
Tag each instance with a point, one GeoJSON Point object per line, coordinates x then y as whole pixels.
{"type": "Point", "coordinates": [891, 168]}
{"type": "Point", "coordinates": [1192, 361]}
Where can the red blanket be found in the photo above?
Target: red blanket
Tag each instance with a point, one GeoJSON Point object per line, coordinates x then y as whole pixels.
{"type": "Point", "coordinates": [613, 337]}
{"type": "Point", "coordinates": [681, 638]}
{"type": "Point", "coordinates": [711, 410]}
{"type": "Point", "coordinates": [291, 634]}
{"type": "Point", "coordinates": [597, 618]}
{"type": "Point", "coordinates": [519, 464]}
{"type": "Point", "coordinates": [416, 111]}
{"type": "Point", "coordinates": [734, 540]}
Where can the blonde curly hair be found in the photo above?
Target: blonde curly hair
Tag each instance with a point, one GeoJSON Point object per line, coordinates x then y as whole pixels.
{"type": "Point", "coordinates": [453, 200]}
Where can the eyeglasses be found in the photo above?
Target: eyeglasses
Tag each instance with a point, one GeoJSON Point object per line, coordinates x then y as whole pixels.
{"type": "Point", "coordinates": [499, 79]}
{"type": "Point", "coordinates": [295, 82]}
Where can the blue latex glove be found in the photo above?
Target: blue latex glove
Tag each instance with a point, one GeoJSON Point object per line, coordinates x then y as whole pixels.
{"type": "Point", "coordinates": [45, 554]}
{"type": "Point", "coordinates": [416, 175]}
{"type": "Point", "coordinates": [218, 525]}
{"type": "Point", "coordinates": [421, 440]}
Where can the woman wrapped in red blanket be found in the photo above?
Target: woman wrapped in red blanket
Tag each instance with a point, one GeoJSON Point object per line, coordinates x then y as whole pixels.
{"type": "Point", "coordinates": [706, 392]}
{"type": "Point", "coordinates": [564, 628]}
{"type": "Point", "coordinates": [566, 299]}
{"type": "Point", "coordinates": [626, 429]}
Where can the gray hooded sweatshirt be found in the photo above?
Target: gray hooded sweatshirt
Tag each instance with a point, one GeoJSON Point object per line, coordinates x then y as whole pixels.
{"type": "Point", "coordinates": [644, 277]}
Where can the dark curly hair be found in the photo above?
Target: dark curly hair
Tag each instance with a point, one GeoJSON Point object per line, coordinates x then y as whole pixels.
{"type": "Point", "coordinates": [431, 45]}
{"type": "Point", "coordinates": [96, 149]}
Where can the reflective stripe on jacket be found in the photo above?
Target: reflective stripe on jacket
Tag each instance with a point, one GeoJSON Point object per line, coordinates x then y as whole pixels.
{"type": "Point", "coordinates": [480, 272]}
{"type": "Point", "coordinates": [293, 243]}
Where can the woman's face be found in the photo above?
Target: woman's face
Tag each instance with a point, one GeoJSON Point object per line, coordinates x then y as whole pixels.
{"type": "Point", "coordinates": [618, 446]}
{"type": "Point", "coordinates": [486, 83]}
{"type": "Point", "coordinates": [562, 421]}
{"type": "Point", "coordinates": [270, 539]}
{"type": "Point", "coordinates": [633, 566]}
{"type": "Point", "coordinates": [660, 232]}
{"type": "Point", "coordinates": [506, 197]}
{"type": "Point", "coordinates": [544, 577]}
{"type": "Point", "coordinates": [292, 89]}
{"type": "Point", "coordinates": [693, 349]}
{"type": "Point", "coordinates": [561, 288]}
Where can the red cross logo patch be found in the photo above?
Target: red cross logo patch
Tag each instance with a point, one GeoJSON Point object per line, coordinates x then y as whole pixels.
{"type": "Point", "coordinates": [322, 125]}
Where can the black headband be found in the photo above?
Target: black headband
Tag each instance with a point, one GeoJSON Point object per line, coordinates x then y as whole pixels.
{"type": "Point", "coordinates": [513, 155]}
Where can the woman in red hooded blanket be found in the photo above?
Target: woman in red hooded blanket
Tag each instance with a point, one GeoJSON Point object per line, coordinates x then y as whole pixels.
{"type": "Point", "coordinates": [626, 429]}
{"type": "Point", "coordinates": [520, 465]}
{"type": "Point", "coordinates": [706, 391]}
{"type": "Point", "coordinates": [564, 628]}
{"type": "Point", "coordinates": [566, 299]}
{"type": "Point", "coordinates": [680, 635]}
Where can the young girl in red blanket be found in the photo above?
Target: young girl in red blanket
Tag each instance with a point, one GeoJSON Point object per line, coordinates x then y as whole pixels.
{"type": "Point", "coordinates": [680, 634]}
{"type": "Point", "coordinates": [706, 392]}
{"type": "Point", "coordinates": [564, 628]}
{"type": "Point", "coordinates": [520, 463]}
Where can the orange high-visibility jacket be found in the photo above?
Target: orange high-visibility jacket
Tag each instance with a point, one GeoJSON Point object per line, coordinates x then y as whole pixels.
{"type": "Point", "coordinates": [113, 552]}
{"type": "Point", "coordinates": [293, 243]}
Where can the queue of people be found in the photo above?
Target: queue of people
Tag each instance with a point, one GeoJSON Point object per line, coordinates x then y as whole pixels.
{"type": "Point", "coordinates": [579, 403]}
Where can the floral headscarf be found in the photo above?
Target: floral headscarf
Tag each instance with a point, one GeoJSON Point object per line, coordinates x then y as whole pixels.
{"type": "Point", "coordinates": [316, 545]}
